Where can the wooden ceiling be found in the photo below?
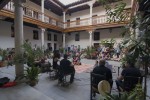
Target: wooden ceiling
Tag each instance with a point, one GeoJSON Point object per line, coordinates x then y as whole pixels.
{"type": "Point", "coordinates": [57, 7]}
{"type": "Point", "coordinates": [3, 3]}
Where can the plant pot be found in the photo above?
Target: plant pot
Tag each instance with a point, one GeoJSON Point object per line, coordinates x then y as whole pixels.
{"type": "Point", "coordinates": [33, 82]}
{"type": "Point", "coordinates": [3, 63]}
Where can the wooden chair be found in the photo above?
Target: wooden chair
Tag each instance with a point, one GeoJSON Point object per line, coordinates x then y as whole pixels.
{"type": "Point", "coordinates": [95, 79]}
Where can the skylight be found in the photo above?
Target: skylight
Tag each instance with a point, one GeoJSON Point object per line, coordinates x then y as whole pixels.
{"type": "Point", "coordinates": [66, 2]}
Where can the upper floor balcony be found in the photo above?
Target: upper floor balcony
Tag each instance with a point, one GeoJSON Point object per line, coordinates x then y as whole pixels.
{"type": "Point", "coordinates": [35, 17]}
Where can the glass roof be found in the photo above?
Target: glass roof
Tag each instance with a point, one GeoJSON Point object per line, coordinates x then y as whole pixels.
{"type": "Point", "coordinates": [66, 2]}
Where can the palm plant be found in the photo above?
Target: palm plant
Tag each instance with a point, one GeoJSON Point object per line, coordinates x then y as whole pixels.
{"type": "Point", "coordinates": [136, 94]}
{"type": "Point", "coordinates": [31, 73]}
{"type": "Point", "coordinates": [29, 57]}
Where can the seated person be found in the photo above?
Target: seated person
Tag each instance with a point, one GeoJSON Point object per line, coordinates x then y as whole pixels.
{"type": "Point", "coordinates": [102, 70]}
{"type": "Point", "coordinates": [56, 58]}
{"type": "Point", "coordinates": [129, 70]}
{"type": "Point", "coordinates": [66, 67]}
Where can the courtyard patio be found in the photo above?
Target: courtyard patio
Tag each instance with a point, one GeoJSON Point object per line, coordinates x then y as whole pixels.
{"type": "Point", "coordinates": [48, 89]}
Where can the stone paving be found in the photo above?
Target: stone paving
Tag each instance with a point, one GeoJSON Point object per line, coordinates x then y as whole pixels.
{"type": "Point", "coordinates": [48, 89]}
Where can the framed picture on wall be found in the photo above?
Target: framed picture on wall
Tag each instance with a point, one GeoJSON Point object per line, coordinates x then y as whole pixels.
{"type": "Point", "coordinates": [35, 35]}
{"type": "Point", "coordinates": [12, 31]}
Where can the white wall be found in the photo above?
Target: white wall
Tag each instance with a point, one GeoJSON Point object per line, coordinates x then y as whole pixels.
{"type": "Point", "coordinates": [100, 10]}
{"type": "Point", "coordinates": [84, 37]}
{"type": "Point", "coordinates": [6, 41]}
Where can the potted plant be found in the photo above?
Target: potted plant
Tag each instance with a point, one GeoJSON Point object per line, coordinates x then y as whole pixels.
{"type": "Point", "coordinates": [31, 74]}
{"type": "Point", "coordinates": [29, 57]}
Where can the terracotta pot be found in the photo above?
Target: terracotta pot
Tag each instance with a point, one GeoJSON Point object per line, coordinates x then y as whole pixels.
{"type": "Point", "coordinates": [32, 83]}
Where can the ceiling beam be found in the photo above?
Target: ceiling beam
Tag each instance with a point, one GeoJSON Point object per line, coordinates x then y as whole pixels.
{"type": "Point", "coordinates": [86, 3]}
{"type": "Point", "coordinates": [3, 3]}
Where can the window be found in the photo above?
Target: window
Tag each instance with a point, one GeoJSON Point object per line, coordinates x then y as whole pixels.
{"type": "Point", "coordinates": [55, 46]}
{"type": "Point", "coordinates": [77, 21]}
{"type": "Point", "coordinates": [35, 35]}
{"type": "Point", "coordinates": [96, 35]}
{"type": "Point", "coordinates": [77, 38]}
{"type": "Point", "coordinates": [55, 37]}
{"type": "Point", "coordinates": [68, 23]}
{"type": "Point", "coordinates": [49, 36]}
{"type": "Point", "coordinates": [12, 31]}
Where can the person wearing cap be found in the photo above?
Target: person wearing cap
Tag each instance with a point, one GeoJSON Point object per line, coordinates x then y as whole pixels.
{"type": "Point", "coordinates": [66, 67]}
{"type": "Point", "coordinates": [102, 70]}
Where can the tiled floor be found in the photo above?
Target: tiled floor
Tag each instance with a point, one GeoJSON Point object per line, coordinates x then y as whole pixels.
{"type": "Point", "coordinates": [48, 89]}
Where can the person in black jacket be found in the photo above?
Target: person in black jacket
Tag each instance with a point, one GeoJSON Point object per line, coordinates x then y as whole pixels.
{"type": "Point", "coordinates": [128, 71]}
{"type": "Point", "coordinates": [102, 70]}
{"type": "Point", "coordinates": [66, 67]}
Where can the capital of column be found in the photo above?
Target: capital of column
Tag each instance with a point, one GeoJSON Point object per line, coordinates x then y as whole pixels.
{"type": "Point", "coordinates": [43, 29]}
{"type": "Point", "coordinates": [90, 31]}
{"type": "Point", "coordinates": [64, 11]}
{"type": "Point", "coordinates": [19, 3]}
{"type": "Point", "coordinates": [91, 3]}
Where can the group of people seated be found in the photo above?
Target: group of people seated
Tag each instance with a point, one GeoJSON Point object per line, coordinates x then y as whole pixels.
{"type": "Point", "coordinates": [64, 68]}
{"type": "Point", "coordinates": [129, 71]}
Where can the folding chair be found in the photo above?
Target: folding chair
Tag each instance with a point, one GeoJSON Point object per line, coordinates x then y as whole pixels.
{"type": "Point", "coordinates": [95, 79]}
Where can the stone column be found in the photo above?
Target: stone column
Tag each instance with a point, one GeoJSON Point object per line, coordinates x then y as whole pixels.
{"type": "Point", "coordinates": [18, 18]}
{"type": "Point", "coordinates": [90, 38]}
{"type": "Point", "coordinates": [64, 18]}
{"type": "Point", "coordinates": [42, 9]}
{"type": "Point", "coordinates": [91, 10]}
{"type": "Point", "coordinates": [42, 38]}
{"type": "Point", "coordinates": [64, 41]}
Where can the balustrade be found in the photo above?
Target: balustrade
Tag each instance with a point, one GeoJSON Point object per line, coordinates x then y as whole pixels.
{"type": "Point", "coordinates": [35, 14]}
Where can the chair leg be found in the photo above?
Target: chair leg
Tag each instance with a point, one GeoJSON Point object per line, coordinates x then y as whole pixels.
{"type": "Point", "coordinates": [91, 94]}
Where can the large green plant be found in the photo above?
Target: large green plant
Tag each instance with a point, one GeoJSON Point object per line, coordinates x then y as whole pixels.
{"type": "Point", "coordinates": [136, 33]}
{"type": "Point", "coordinates": [108, 42]}
{"type": "Point", "coordinates": [136, 94]}
{"type": "Point", "coordinates": [29, 57]}
{"type": "Point", "coordinates": [31, 74]}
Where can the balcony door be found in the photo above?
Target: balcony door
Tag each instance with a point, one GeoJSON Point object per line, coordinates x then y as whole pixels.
{"type": "Point", "coordinates": [68, 23]}
{"type": "Point", "coordinates": [77, 21]}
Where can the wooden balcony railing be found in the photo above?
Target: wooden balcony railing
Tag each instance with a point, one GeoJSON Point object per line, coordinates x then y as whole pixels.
{"type": "Point", "coordinates": [102, 19]}
{"type": "Point", "coordinates": [77, 23]}
{"type": "Point", "coordinates": [35, 14]}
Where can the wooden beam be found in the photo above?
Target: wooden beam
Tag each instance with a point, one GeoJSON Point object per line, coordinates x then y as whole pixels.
{"type": "Point", "coordinates": [31, 20]}
{"type": "Point", "coordinates": [3, 3]}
